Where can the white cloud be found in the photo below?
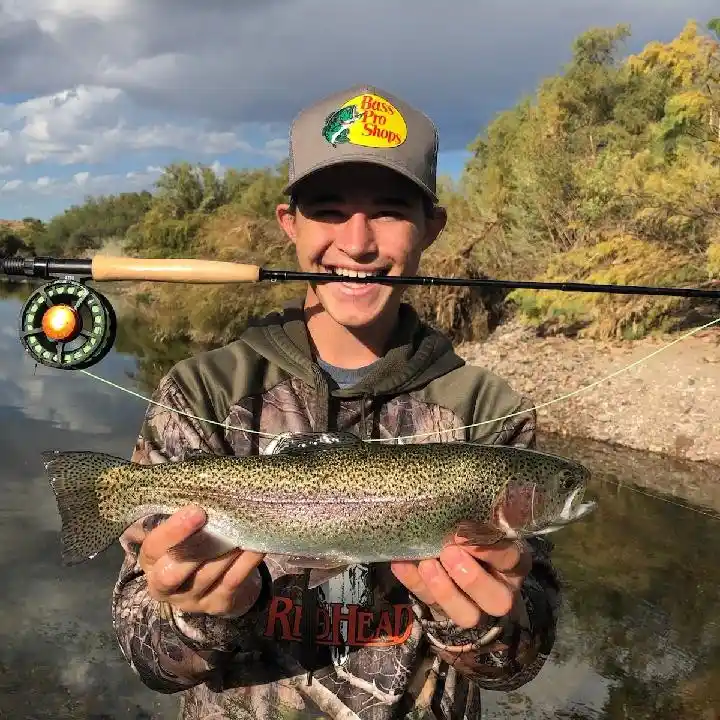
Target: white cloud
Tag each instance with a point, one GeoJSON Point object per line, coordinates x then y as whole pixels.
{"type": "Point", "coordinates": [84, 183]}
{"type": "Point", "coordinates": [245, 62]}
{"type": "Point", "coordinates": [179, 78]}
{"type": "Point", "coordinates": [92, 124]}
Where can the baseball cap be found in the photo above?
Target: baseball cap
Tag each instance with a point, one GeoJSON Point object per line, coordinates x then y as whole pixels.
{"type": "Point", "coordinates": [368, 125]}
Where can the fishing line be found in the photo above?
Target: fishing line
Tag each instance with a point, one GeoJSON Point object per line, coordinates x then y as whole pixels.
{"type": "Point", "coordinates": [539, 406]}
{"type": "Point", "coordinates": [172, 409]}
{"type": "Point", "coordinates": [566, 396]}
{"type": "Point", "coordinates": [641, 491]}
{"type": "Point", "coordinates": [569, 395]}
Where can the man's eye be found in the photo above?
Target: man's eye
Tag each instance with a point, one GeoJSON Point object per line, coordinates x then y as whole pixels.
{"type": "Point", "coordinates": [327, 213]}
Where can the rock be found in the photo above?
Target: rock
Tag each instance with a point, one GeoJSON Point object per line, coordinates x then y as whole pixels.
{"type": "Point", "coordinates": [668, 403]}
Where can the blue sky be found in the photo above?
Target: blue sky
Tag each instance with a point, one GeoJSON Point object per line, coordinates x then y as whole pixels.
{"type": "Point", "coordinates": [98, 96]}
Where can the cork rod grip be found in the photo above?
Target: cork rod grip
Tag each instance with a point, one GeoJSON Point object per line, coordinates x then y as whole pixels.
{"type": "Point", "coordinates": [106, 267]}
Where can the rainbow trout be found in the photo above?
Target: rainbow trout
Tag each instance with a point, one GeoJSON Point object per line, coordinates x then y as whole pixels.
{"type": "Point", "coordinates": [325, 500]}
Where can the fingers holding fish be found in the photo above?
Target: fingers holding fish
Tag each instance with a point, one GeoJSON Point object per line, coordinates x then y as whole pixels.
{"type": "Point", "coordinates": [170, 533]}
{"type": "Point", "coordinates": [488, 591]}
{"type": "Point", "coordinates": [460, 586]}
{"type": "Point", "coordinates": [240, 570]}
{"type": "Point", "coordinates": [509, 561]}
{"type": "Point", "coordinates": [184, 582]}
{"type": "Point", "coordinates": [226, 586]}
{"type": "Point", "coordinates": [406, 571]}
{"type": "Point", "coordinates": [430, 583]}
{"type": "Point", "coordinates": [448, 596]}
{"type": "Point", "coordinates": [238, 589]}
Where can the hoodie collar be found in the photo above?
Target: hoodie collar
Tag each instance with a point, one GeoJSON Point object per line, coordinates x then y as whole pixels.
{"type": "Point", "coordinates": [417, 353]}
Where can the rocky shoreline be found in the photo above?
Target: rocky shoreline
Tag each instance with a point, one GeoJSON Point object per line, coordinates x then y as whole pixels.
{"type": "Point", "coordinates": [668, 404]}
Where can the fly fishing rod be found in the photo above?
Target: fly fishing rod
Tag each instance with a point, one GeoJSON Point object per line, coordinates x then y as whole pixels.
{"type": "Point", "coordinates": [64, 324]}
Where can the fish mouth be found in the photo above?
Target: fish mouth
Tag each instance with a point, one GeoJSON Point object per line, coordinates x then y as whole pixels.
{"type": "Point", "coordinates": [574, 508]}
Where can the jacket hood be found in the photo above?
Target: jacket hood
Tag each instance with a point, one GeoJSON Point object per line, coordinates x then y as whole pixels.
{"type": "Point", "coordinates": [417, 354]}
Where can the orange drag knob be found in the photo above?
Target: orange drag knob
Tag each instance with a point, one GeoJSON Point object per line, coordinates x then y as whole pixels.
{"type": "Point", "coordinates": [60, 322]}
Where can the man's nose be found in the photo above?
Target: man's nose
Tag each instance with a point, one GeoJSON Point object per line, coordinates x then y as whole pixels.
{"type": "Point", "coordinates": [356, 237]}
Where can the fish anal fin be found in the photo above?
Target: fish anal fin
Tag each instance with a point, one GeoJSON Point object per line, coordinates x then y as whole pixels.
{"type": "Point", "coordinates": [303, 562]}
{"type": "Point", "coordinates": [469, 532]}
{"type": "Point", "coordinates": [290, 443]}
{"type": "Point", "coordinates": [318, 577]}
{"type": "Point", "coordinates": [321, 569]}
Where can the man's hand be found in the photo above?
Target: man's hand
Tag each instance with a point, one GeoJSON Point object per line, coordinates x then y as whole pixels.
{"type": "Point", "coordinates": [464, 589]}
{"type": "Point", "coordinates": [215, 586]}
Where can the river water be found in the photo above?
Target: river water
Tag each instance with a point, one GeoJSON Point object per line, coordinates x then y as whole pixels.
{"type": "Point", "coordinates": [639, 637]}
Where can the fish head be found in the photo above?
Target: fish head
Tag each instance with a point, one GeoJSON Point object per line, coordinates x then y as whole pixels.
{"type": "Point", "coordinates": [543, 494]}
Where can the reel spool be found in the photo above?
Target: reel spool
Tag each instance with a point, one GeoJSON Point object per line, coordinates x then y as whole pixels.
{"type": "Point", "coordinates": [68, 326]}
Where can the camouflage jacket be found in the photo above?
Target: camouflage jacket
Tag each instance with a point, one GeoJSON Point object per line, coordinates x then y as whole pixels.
{"type": "Point", "coordinates": [380, 653]}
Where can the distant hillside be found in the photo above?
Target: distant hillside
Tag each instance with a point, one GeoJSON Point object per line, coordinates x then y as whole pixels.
{"type": "Point", "coordinates": [13, 225]}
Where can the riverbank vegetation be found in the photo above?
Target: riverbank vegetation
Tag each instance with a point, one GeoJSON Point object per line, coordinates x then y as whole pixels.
{"type": "Point", "coordinates": [609, 173]}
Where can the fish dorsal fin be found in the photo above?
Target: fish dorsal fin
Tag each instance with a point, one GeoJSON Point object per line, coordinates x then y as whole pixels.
{"type": "Point", "coordinates": [290, 443]}
{"type": "Point", "coordinates": [198, 454]}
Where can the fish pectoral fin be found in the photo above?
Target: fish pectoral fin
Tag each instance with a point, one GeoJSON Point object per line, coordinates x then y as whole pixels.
{"type": "Point", "coordinates": [470, 532]}
{"type": "Point", "coordinates": [290, 443]}
{"type": "Point", "coordinates": [204, 544]}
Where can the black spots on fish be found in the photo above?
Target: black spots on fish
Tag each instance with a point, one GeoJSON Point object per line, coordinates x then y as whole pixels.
{"type": "Point", "coordinates": [74, 476]}
{"type": "Point", "coordinates": [363, 501]}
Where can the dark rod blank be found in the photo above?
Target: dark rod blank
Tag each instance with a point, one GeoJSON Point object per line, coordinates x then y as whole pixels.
{"type": "Point", "coordinates": [287, 275]}
{"type": "Point", "coordinates": [194, 271]}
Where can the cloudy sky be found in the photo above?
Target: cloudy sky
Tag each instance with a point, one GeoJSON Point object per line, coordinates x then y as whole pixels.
{"type": "Point", "coordinates": [96, 96]}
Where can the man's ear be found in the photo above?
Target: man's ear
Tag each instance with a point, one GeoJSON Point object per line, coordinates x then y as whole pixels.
{"type": "Point", "coordinates": [434, 225]}
{"type": "Point", "coordinates": [286, 219]}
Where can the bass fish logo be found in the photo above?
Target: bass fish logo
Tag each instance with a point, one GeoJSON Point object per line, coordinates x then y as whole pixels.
{"type": "Point", "coordinates": [338, 123]}
{"type": "Point", "coordinates": [367, 120]}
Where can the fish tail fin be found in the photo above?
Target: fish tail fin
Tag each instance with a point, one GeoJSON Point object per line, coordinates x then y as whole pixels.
{"type": "Point", "coordinates": [73, 477]}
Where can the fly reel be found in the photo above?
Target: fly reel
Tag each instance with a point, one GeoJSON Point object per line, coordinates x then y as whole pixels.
{"type": "Point", "coordinates": [68, 326]}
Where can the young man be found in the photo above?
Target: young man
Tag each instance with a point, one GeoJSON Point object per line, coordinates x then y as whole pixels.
{"type": "Point", "coordinates": [398, 640]}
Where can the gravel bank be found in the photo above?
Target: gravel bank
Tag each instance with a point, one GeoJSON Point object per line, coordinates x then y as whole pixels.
{"type": "Point", "coordinates": [669, 404]}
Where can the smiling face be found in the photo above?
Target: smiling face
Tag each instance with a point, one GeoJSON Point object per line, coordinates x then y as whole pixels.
{"type": "Point", "coordinates": [357, 219]}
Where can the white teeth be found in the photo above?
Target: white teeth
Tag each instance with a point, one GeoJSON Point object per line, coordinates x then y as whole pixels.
{"type": "Point", "coordinates": [354, 273]}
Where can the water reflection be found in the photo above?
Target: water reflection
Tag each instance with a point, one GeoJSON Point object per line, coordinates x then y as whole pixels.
{"type": "Point", "coordinates": [639, 637]}
{"type": "Point", "coordinates": [58, 656]}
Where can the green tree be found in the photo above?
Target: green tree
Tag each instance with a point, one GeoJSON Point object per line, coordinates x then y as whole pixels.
{"type": "Point", "coordinates": [187, 196]}
{"type": "Point", "coordinates": [11, 242]}
{"type": "Point", "coordinates": [86, 226]}
{"type": "Point", "coordinates": [609, 173]}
